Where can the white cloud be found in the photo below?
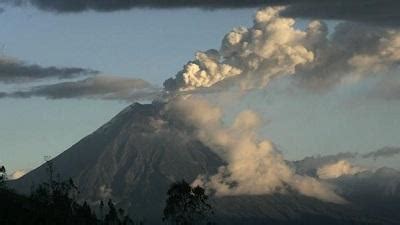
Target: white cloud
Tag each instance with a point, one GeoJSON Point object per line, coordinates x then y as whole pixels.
{"type": "Point", "coordinates": [338, 169]}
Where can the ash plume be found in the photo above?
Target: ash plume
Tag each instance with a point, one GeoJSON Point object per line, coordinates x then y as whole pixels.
{"type": "Point", "coordinates": [271, 48]}
{"type": "Point", "coordinates": [254, 166]}
{"type": "Point", "coordinates": [250, 57]}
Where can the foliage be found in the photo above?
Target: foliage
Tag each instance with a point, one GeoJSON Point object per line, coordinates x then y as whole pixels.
{"type": "Point", "coordinates": [3, 177]}
{"type": "Point", "coordinates": [186, 205]}
{"type": "Point", "coordinates": [116, 217]}
{"type": "Point", "coordinates": [54, 202]}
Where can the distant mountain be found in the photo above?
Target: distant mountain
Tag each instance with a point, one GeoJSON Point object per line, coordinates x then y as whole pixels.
{"type": "Point", "coordinates": [134, 157]}
{"type": "Point", "coordinates": [377, 193]}
{"type": "Point", "coordinates": [384, 182]}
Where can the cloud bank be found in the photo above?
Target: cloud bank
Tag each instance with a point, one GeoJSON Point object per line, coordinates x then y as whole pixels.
{"type": "Point", "coordinates": [383, 12]}
{"type": "Point", "coordinates": [94, 86]}
{"type": "Point", "coordinates": [113, 5]}
{"type": "Point", "coordinates": [98, 87]}
{"type": "Point", "coordinates": [15, 71]}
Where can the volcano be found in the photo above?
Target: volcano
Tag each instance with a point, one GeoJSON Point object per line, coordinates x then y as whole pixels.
{"type": "Point", "coordinates": [136, 156]}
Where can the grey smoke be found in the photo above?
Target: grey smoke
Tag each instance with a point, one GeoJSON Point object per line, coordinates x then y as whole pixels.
{"type": "Point", "coordinates": [14, 71]}
{"type": "Point", "coordinates": [385, 152]}
{"type": "Point", "coordinates": [309, 165]}
{"type": "Point", "coordinates": [98, 87]}
{"type": "Point", "coordinates": [353, 51]}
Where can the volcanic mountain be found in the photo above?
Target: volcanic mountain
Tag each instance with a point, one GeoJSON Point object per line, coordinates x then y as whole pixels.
{"type": "Point", "coordinates": [136, 156]}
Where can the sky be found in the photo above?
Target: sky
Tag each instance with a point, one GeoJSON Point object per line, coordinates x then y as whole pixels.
{"type": "Point", "coordinates": [153, 44]}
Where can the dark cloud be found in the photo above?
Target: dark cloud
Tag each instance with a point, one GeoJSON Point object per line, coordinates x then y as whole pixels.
{"type": "Point", "coordinates": [113, 5]}
{"type": "Point", "coordinates": [13, 71]}
{"type": "Point", "coordinates": [99, 87]}
{"type": "Point", "coordinates": [385, 152]}
{"type": "Point", "coordinates": [371, 11]}
{"type": "Point", "coordinates": [374, 11]}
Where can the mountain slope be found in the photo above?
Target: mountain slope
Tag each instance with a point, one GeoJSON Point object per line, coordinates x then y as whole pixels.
{"type": "Point", "coordinates": [134, 157]}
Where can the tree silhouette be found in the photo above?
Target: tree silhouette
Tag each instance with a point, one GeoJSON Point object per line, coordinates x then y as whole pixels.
{"type": "Point", "coordinates": [58, 201]}
{"type": "Point", "coordinates": [54, 202]}
{"type": "Point", "coordinates": [116, 217]}
{"type": "Point", "coordinates": [112, 216]}
{"type": "Point", "coordinates": [186, 205]}
{"type": "Point", "coordinates": [3, 177]}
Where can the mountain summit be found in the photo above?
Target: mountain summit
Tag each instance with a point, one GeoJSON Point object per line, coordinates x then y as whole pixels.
{"type": "Point", "coordinates": [136, 156]}
{"type": "Point", "coordinates": [133, 159]}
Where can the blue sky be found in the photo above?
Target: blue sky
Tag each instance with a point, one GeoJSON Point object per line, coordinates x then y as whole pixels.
{"type": "Point", "coordinates": [153, 45]}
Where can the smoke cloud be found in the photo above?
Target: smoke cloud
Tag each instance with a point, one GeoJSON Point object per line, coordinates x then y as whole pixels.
{"type": "Point", "coordinates": [104, 192]}
{"type": "Point", "coordinates": [383, 153]}
{"type": "Point", "coordinates": [353, 52]}
{"type": "Point", "coordinates": [254, 166]}
{"type": "Point", "coordinates": [15, 71]}
{"type": "Point", "coordinates": [273, 47]}
{"type": "Point", "coordinates": [310, 165]}
{"type": "Point", "coordinates": [338, 169]}
{"type": "Point", "coordinates": [250, 58]}
{"type": "Point", "coordinates": [98, 87]}
{"type": "Point", "coordinates": [339, 164]}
